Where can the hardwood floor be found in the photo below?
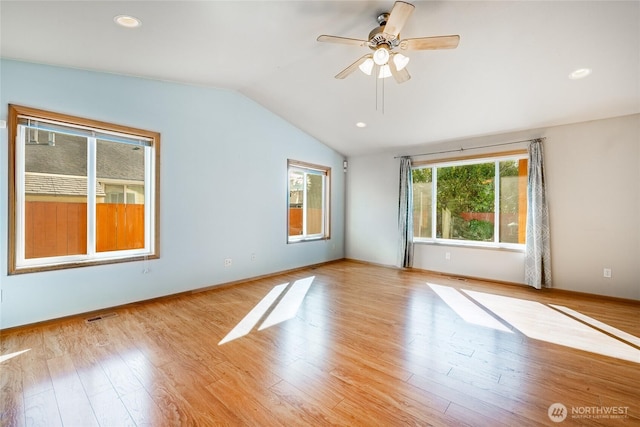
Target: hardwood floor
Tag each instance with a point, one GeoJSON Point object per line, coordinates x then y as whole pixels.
{"type": "Point", "coordinates": [367, 346]}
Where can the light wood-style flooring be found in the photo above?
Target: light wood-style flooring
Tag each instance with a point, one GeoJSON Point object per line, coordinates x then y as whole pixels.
{"type": "Point", "coordinates": [367, 346]}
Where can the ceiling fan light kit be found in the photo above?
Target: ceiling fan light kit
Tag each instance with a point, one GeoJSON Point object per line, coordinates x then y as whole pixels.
{"type": "Point", "coordinates": [384, 39]}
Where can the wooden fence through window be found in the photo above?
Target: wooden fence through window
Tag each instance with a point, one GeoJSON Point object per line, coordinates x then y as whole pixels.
{"type": "Point", "coordinates": [314, 221]}
{"type": "Point", "coordinates": [60, 228]}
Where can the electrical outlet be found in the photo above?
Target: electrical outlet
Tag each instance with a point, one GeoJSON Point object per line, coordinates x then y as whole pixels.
{"type": "Point", "coordinates": [227, 262]}
{"type": "Point", "coordinates": [606, 273]}
{"type": "Point", "coordinates": [253, 257]}
{"type": "Point", "coordinates": [447, 256]}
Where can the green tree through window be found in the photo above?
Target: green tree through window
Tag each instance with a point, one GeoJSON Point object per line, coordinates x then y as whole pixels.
{"type": "Point", "coordinates": [467, 196]}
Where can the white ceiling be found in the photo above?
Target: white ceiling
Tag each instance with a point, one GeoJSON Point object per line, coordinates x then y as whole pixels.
{"type": "Point", "coordinates": [508, 73]}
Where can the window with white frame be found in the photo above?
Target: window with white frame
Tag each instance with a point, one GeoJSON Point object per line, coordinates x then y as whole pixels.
{"type": "Point", "coordinates": [307, 201]}
{"type": "Point", "coordinates": [481, 201]}
{"type": "Point", "coordinates": [83, 192]}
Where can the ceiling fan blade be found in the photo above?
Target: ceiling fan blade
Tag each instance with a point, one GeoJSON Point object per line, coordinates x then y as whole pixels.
{"type": "Point", "coordinates": [342, 40]}
{"type": "Point", "coordinates": [430, 43]}
{"type": "Point", "coordinates": [401, 76]}
{"type": "Point", "coordinates": [398, 17]}
{"type": "Point", "coordinates": [351, 68]}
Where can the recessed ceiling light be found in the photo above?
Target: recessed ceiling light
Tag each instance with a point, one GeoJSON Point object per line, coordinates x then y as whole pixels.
{"type": "Point", "coordinates": [127, 21]}
{"type": "Point", "coordinates": [580, 73]}
{"type": "Point", "coordinates": [361, 124]}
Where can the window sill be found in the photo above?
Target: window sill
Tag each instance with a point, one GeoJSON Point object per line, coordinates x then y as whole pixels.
{"type": "Point", "coordinates": [307, 239]}
{"type": "Point", "coordinates": [37, 268]}
{"type": "Point", "coordinates": [510, 247]}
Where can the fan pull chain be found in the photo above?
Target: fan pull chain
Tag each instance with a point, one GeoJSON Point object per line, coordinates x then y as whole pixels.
{"type": "Point", "coordinates": [379, 84]}
{"type": "Point", "coordinates": [382, 96]}
{"type": "Point", "coordinates": [375, 79]}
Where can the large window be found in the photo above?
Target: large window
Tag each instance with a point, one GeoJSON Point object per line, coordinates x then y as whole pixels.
{"type": "Point", "coordinates": [307, 201]}
{"type": "Point", "coordinates": [82, 192]}
{"type": "Point", "coordinates": [478, 201]}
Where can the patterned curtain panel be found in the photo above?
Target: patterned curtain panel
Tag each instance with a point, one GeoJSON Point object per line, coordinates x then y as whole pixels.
{"type": "Point", "coordinates": [537, 268]}
{"type": "Point", "coordinates": [405, 214]}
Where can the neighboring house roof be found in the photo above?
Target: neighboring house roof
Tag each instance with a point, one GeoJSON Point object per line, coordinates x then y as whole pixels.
{"type": "Point", "coordinates": [62, 185]}
{"type": "Point", "coordinates": [120, 161]}
{"type": "Point", "coordinates": [68, 156]}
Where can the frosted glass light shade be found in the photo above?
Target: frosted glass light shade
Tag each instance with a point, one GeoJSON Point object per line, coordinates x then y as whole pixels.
{"type": "Point", "coordinates": [381, 56]}
{"type": "Point", "coordinates": [385, 72]}
{"type": "Point", "coordinates": [400, 60]}
{"type": "Point", "coordinates": [367, 66]}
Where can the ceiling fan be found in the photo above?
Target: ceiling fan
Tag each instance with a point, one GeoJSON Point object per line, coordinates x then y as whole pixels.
{"type": "Point", "coordinates": [384, 39]}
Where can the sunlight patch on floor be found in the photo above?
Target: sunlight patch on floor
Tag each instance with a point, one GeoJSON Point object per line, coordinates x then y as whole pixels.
{"type": "Point", "coordinates": [5, 357]}
{"type": "Point", "coordinates": [542, 322]}
{"type": "Point", "coordinates": [285, 309]}
{"type": "Point", "coordinates": [598, 324]}
{"type": "Point", "coordinates": [253, 317]}
{"type": "Point", "coordinates": [466, 309]}
{"type": "Point", "coordinates": [289, 304]}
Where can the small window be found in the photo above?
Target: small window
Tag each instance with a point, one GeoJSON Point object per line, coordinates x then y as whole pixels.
{"type": "Point", "coordinates": [307, 202]}
{"type": "Point", "coordinates": [480, 201]}
{"type": "Point", "coordinates": [82, 192]}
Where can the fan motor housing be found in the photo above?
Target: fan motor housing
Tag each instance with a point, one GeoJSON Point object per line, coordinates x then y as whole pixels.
{"type": "Point", "coordinates": [378, 37]}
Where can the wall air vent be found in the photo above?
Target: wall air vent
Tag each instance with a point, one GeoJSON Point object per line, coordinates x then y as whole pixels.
{"type": "Point", "coordinates": [100, 317]}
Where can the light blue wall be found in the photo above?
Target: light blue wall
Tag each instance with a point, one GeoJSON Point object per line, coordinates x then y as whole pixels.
{"type": "Point", "coordinates": [223, 189]}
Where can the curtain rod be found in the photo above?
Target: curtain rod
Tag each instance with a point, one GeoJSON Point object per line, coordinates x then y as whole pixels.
{"type": "Point", "coordinates": [473, 148]}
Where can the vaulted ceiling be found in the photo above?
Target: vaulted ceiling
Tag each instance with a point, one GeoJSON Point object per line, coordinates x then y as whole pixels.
{"type": "Point", "coordinates": [509, 72]}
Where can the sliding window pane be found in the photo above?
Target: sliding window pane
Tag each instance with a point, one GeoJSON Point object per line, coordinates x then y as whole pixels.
{"type": "Point", "coordinates": [513, 201]}
{"type": "Point", "coordinates": [314, 203]}
{"type": "Point", "coordinates": [422, 197]}
{"type": "Point", "coordinates": [296, 202]}
{"type": "Point", "coordinates": [120, 173]}
{"type": "Point", "coordinates": [55, 207]}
